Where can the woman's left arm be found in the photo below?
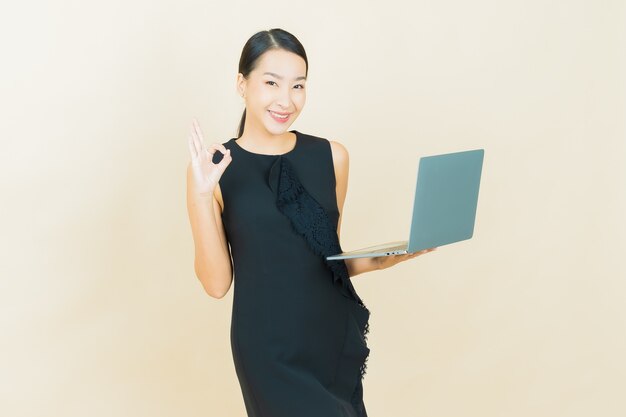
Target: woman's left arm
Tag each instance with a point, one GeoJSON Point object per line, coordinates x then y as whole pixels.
{"type": "Point", "coordinates": [356, 266]}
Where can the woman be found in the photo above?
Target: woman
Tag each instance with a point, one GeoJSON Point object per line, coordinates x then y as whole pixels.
{"type": "Point", "coordinates": [272, 199]}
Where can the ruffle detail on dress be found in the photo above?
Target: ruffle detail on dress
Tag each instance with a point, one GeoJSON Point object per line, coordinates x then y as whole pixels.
{"type": "Point", "coordinates": [310, 220]}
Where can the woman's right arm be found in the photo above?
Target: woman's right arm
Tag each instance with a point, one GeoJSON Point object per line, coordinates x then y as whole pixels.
{"type": "Point", "coordinates": [212, 262]}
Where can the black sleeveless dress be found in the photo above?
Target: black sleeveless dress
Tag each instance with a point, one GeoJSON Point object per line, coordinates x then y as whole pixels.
{"type": "Point", "coordinates": [298, 327]}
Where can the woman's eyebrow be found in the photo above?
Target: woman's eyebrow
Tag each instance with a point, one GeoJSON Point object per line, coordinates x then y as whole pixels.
{"type": "Point", "coordinates": [280, 78]}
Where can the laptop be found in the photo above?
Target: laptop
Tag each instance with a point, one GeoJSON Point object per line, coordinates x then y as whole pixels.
{"type": "Point", "coordinates": [444, 205]}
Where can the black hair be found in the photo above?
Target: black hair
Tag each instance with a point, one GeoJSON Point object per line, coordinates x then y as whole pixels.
{"type": "Point", "coordinates": [257, 45]}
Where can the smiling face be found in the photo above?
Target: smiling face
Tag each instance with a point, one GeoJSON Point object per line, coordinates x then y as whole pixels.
{"type": "Point", "coordinates": [275, 88]}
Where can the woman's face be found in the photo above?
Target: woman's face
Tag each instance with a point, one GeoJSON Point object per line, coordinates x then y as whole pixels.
{"type": "Point", "coordinates": [277, 84]}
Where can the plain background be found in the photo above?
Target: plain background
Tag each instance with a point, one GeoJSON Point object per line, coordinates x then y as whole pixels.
{"type": "Point", "coordinates": [101, 313]}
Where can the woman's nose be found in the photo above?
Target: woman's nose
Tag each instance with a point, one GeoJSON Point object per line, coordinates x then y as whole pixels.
{"type": "Point", "coordinates": [284, 99]}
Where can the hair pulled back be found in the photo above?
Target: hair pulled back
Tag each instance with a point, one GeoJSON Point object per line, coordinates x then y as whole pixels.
{"type": "Point", "coordinates": [257, 45]}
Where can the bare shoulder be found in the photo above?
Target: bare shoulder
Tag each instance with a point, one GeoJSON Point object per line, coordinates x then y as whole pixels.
{"type": "Point", "coordinates": [341, 168]}
{"type": "Point", "coordinates": [341, 165]}
{"type": "Point", "coordinates": [340, 153]}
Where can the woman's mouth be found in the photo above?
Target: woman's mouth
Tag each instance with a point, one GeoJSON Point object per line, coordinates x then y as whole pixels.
{"type": "Point", "coordinates": [278, 117]}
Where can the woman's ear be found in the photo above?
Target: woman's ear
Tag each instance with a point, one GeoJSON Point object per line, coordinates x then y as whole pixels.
{"type": "Point", "coordinates": [241, 85]}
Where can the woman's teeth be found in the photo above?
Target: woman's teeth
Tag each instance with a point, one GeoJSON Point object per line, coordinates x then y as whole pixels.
{"type": "Point", "coordinates": [278, 115]}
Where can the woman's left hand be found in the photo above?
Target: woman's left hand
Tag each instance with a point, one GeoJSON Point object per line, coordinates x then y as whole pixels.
{"type": "Point", "coordinates": [387, 261]}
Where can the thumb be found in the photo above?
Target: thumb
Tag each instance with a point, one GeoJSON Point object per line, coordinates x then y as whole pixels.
{"type": "Point", "coordinates": [225, 161]}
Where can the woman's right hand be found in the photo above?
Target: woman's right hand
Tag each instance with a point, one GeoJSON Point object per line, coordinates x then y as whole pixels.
{"type": "Point", "coordinates": [206, 174]}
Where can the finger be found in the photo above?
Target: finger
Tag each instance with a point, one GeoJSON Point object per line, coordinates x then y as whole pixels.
{"type": "Point", "coordinates": [217, 146]}
{"type": "Point", "coordinates": [221, 166]}
{"type": "Point", "coordinates": [196, 142]}
{"type": "Point", "coordinates": [192, 149]}
{"type": "Point", "coordinates": [223, 149]}
{"type": "Point", "coordinates": [198, 130]}
{"type": "Point", "coordinates": [212, 148]}
{"type": "Point", "coordinates": [226, 159]}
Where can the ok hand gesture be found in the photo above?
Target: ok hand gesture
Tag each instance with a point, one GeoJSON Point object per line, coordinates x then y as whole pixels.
{"type": "Point", "coordinates": [206, 174]}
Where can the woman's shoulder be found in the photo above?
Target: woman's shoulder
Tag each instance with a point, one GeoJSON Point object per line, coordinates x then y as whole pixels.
{"type": "Point", "coordinates": [335, 144]}
{"type": "Point", "coordinates": [334, 148]}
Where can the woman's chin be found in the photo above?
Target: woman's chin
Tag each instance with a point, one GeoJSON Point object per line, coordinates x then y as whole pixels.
{"type": "Point", "coordinates": [277, 129]}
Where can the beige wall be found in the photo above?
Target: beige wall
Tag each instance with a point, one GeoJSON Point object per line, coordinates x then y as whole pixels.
{"type": "Point", "coordinates": [101, 313]}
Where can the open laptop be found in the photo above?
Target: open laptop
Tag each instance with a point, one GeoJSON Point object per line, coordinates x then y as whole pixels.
{"type": "Point", "coordinates": [444, 206]}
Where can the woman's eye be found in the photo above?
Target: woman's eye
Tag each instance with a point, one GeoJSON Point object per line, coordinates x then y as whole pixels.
{"type": "Point", "coordinates": [273, 83]}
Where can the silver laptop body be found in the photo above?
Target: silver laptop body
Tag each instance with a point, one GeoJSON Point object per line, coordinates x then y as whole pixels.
{"type": "Point", "coordinates": [444, 205]}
